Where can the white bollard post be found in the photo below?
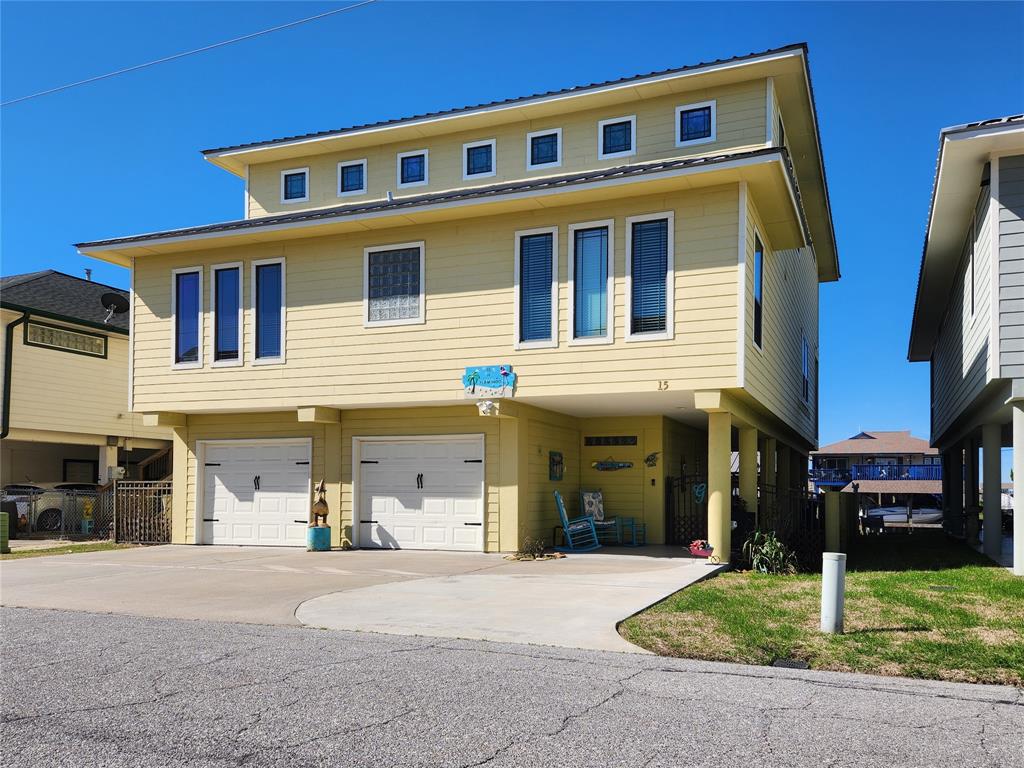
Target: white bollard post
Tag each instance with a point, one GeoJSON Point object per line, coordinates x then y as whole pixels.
{"type": "Point", "coordinates": [833, 589]}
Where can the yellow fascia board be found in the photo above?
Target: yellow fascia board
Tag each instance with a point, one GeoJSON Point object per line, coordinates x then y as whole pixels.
{"type": "Point", "coordinates": [164, 419]}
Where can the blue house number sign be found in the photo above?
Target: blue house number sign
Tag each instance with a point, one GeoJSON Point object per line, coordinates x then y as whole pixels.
{"type": "Point", "coordinates": [489, 381]}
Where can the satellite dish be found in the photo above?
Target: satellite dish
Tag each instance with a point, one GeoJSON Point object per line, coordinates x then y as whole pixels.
{"type": "Point", "coordinates": [114, 303]}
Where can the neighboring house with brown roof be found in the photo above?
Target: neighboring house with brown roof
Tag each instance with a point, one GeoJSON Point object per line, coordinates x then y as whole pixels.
{"type": "Point", "coordinates": [65, 415]}
{"type": "Point", "coordinates": [883, 463]}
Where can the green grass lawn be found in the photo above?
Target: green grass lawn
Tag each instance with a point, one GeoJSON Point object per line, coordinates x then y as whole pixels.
{"type": "Point", "coordinates": [917, 606]}
{"type": "Point", "coordinates": [72, 547]}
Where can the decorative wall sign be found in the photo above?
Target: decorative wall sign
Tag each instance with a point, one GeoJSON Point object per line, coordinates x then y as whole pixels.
{"type": "Point", "coordinates": [651, 460]}
{"type": "Point", "coordinates": [610, 465]}
{"type": "Point", "coordinates": [556, 466]}
{"type": "Point", "coordinates": [489, 381]}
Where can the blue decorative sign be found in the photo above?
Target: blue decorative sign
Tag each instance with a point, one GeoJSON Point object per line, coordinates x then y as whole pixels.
{"type": "Point", "coordinates": [489, 381]}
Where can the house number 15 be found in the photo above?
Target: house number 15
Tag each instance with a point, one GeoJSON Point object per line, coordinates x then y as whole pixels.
{"type": "Point", "coordinates": [662, 385]}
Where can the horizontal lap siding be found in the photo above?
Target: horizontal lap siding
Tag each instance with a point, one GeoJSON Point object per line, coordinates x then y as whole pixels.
{"type": "Point", "coordinates": [332, 360]}
{"type": "Point", "coordinates": [960, 359]}
{"type": "Point", "coordinates": [774, 373]}
{"type": "Point", "coordinates": [1011, 266]}
{"type": "Point", "coordinates": [66, 392]}
{"type": "Point", "coordinates": [741, 123]}
{"type": "Point", "coordinates": [250, 426]}
{"type": "Point", "coordinates": [456, 420]}
{"type": "Point", "coordinates": [540, 515]}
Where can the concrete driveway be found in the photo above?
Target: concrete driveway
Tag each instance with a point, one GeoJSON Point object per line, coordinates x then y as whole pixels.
{"type": "Point", "coordinates": [574, 602]}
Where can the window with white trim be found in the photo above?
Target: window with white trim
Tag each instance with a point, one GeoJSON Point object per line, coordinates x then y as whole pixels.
{"type": "Point", "coordinates": [616, 137]}
{"type": "Point", "coordinates": [649, 276]}
{"type": "Point", "coordinates": [544, 149]}
{"type": "Point", "coordinates": [186, 314]}
{"type": "Point", "coordinates": [478, 159]}
{"type": "Point", "coordinates": [758, 290]}
{"type": "Point", "coordinates": [536, 286]}
{"type": "Point", "coordinates": [268, 302]}
{"type": "Point", "coordinates": [351, 177]}
{"type": "Point", "coordinates": [413, 170]}
{"type": "Point", "coordinates": [393, 285]}
{"type": "Point", "coordinates": [590, 279]}
{"type": "Point", "coordinates": [696, 123]}
{"type": "Point", "coordinates": [295, 185]}
{"type": "Point", "coordinates": [226, 305]}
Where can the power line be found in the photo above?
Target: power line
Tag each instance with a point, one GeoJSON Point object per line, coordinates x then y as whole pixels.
{"type": "Point", "coordinates": [187, 53]}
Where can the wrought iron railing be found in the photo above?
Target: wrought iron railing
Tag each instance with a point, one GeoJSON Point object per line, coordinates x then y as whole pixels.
{"type": "Point", "coordinates": [833, 476]}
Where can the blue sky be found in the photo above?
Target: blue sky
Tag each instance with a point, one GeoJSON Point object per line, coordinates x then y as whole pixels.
{"type": "Point", "coordinates": [121, 156]}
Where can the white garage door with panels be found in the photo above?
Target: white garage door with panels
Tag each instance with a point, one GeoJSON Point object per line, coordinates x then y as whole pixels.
{"type": "Point", "coordinates": [421, 493]}
{"type": "Point", "coordinates": [255, 492]}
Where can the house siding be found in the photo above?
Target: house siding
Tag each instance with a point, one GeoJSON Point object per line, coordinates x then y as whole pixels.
{"type": "Point", "coordinates": [741, 119]}
{"type": "Point", "coordinates": [60, 391]}
{"type": "Point", "coordinates": [960, 361]}
{"type": "Point", "coordinates": [773, 374]}
{"type": "Point", "coordinates": [333, 360]}
{"type": "Point", "coordinates": [1010, 217]}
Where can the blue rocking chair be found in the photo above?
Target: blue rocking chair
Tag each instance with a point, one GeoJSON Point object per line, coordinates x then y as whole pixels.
{"type": "Point", "coordinates": [580, 534]}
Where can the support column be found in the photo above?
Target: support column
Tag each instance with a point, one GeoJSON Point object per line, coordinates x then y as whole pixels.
{"type": "Point", "coordinates": [720, 483]}
{"type": "Point", "coordinates": [1018, 489]}
{"type": "Point", "coordinates": [107, 463]}
{"type": "Point", "coordinates": [992, 482]}
{"type": "Point", "coordinates": [179, 488]}
{"type": "Point", "coordinates": [763, 478]}
{"type": "Point", "coordinates": [954, 479]}
{"type": "Point", "coordinates": [748, 467]}
{"type": "Point", "coordinates": [971, 490]}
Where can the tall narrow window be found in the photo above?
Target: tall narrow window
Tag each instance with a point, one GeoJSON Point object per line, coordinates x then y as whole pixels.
{"type": "Point", "coordinates": [186, 310]}
{"type": "Point", "coordinates": [227, 313]}
{"type": "Point", "coordinates": [268, 303]}
{"type": "Point", "coordinates": [393, 284]}
{"type": "Point", "coordinates": [591, 262]}
{"type": "Point", "coordinates": [758, 289]}
{"type": "Point", "coordinates": [650, 243]}
{"type": "Point", "coordinates": [805, 353]}
{"type": "Point", "coordinates": [536, 271]}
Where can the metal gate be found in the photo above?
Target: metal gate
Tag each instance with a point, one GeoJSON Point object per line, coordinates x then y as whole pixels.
{"type": "Point", "coordinates": [686, 509]}
{"type": "Point", "coordinates": [140, 511]}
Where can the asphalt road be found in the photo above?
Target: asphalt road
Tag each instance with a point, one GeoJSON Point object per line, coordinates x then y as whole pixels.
{"type": "Point", "coordinates": [82, 689]}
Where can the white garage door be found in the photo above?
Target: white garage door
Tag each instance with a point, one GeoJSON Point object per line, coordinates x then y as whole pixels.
{"type": "Point", "coordinates": [422, 494]}
{"type": "Point", "coordinates": [256, 492]}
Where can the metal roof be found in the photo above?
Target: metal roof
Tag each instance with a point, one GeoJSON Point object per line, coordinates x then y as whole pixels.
{"type": "Point", "coordinates": [508, 102]}
{"type": "Point", "coordinates": [477, 193]}
{"type": "Point", "coordinates": [62, 297]}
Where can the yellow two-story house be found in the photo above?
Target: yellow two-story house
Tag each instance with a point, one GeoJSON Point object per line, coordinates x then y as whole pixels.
{"type": "Point", "coordinates": [447, 317]}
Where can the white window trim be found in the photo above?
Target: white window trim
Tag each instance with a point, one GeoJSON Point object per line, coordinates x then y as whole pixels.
{"type": "Point", "coordinates": [601, 154]}
{"type": "Point", "coordinates": [280, 359]}
{"type": "Point", "coordinates": [426, 168]}
{"type": "Point", "coordinates": [753, 293]}
{"type": "Point", "coordinates": [214, 362]}
{"type": "Point", "coordinates": [175, 365]}
{"type": "Point", "coordinates": [493, 144]}
{"type": "Point", "coordinates": [714, 123]}
{"type": "Point", "coordinates": [551, 343]}
{"type": "Point", "coordinates": [670, 279]}
{"type": "Point", "coordinates": [304, 171]}
{"type": "Point", "coordinates": [609, 336]}
{"type": "Point", "coordinates": [529, 147]}
{"type": "Point", "coordinates": [346, 164]}
{"type": "Point", "coordinates": [422, 316]}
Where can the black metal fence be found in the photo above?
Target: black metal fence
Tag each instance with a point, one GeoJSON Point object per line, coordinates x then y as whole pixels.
{"type": "Point", "coordinates": [796, 516]}
{"type": "Point", "coordinates": [141, 511]}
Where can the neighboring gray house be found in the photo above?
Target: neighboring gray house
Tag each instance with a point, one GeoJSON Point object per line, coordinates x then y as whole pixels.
{"type": "Point", "coordinates": [969, 318]}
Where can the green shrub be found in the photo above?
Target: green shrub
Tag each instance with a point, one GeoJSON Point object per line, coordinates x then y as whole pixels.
{"type": "Point", "coordinates": [766, 554]}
